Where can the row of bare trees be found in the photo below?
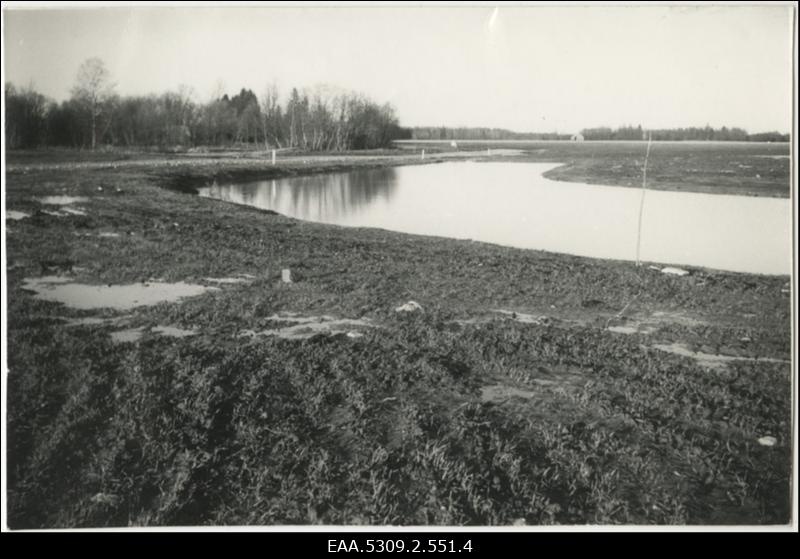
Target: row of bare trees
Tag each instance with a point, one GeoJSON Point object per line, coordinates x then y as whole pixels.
{"type": "Point", "coordinates": [319, 118]}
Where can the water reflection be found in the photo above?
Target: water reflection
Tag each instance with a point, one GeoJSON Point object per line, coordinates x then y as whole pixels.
{"type": "Point", "coordinates": [512, 204]}
{"type": "Point", "coordinates": [331, 198]}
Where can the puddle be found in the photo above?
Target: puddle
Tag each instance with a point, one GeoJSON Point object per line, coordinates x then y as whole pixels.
{"type": "Point", "coordinates": [633, 327]}
{"type": "Point", "coordinates": [173, 332]}
{"type": "Point", "coordinates": [305, 327]}
{"type": "Point", "coordinates": [624, 329]}
{"type": "Point", "coordinates": [298, 319]}
{"type": "Point", "coordinates": [638, 324]}
{"type": "Point", "coordinates": [108, 234]}
{"type": "Point", "coordinates": [15, 215]}
{"type": "Point", "coordinates": [83, 296]}
{"type": "Point", "coordinates": [64, 212]}
{"type": "Point", "coordinates": [525, 318]}
{"type": "Point", "coordinates": [502, 392]}
{"type": "Point", "coordinates": [127, 336]}
{"type": "Point", "coordinates": [242, 278]}
{"type": "Point", "coordinates": [62, 200]}
{"type": "Point", "coordinates": [709, 360]}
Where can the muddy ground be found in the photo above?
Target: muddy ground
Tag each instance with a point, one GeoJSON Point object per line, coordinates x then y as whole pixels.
{"type": "Point", "coordinates": [529, 387]}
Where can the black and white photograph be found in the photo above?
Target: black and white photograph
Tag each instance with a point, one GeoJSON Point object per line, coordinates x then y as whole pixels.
{"type": "Point", "coordinates": [462, 267]}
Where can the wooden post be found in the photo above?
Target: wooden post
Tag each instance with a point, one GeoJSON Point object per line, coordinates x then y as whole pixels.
{"type": "Point", "coordinates": [641, 202]}
{"type": "Point", "coordinates": [423, 155]}
{"type": "Point", "coordinates": [273, 157]}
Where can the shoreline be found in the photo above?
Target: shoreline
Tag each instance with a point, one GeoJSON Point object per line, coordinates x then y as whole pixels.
{"type": "Point", "coordinates": [615, 164]}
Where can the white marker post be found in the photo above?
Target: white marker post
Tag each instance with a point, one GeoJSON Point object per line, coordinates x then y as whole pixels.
{"type": "Point", "coordinates": [273, 157]}
{"type": "Point", "coordinates": [423, 155]}
{"type": "Point", "coordinates": [641, 200]}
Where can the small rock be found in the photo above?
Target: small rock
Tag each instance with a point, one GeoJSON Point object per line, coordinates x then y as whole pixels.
{"type": "Point", "coordinates": [674, 271]}
{"type": "Point", "coordinates": [286, 275]}
{"type": "Point", "coordinates": [767, 441]}
{"type": "Point", "coordinates": [411, 306]}
{"type": "Point", "coordinates": [355, 335]}
{"type": "Point", "coordinates": [519, 522]}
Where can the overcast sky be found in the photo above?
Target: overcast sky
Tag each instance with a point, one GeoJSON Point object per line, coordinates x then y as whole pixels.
{"type": "Point", "coordinates": [527, 69]}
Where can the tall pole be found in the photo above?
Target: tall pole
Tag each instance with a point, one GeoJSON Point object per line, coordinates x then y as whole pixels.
{"type": "Point", "coordinates": [641, 202]}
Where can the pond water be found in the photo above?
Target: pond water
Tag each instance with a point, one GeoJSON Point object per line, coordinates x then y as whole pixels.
{"type": "Point", "coordinates": [513, 204]}
{"type": "Point", "coordinates": [15, 215]}
{"type": "Point", "coordinates": [63, 290]}
{"type": "Point", "coordinates": [62, 200]}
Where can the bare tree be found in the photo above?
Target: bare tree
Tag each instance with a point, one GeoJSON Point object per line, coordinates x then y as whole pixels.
{"type": "Point", "coordinates": [93, 90]}
{"type": "Point", "coordinates": [271, 115]}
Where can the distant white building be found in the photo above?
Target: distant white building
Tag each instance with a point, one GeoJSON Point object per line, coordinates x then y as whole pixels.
{"type": "Point", "coordinates": [576, 137]}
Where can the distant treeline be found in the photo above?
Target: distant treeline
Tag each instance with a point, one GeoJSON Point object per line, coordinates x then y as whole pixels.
{"type": "Point", "coordinates": [445, 133]}
{"type": "Point", "coordinates": [706, 133]}
{"type": "Point", "coordinates": [321, 118]}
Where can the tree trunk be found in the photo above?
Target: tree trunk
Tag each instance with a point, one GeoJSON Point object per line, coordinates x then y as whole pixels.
{"type": "Point", "coordinates": [94, 130]}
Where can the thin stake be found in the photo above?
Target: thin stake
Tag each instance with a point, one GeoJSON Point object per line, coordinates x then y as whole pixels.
{"type": "Point", "coordinates": [641, 202]}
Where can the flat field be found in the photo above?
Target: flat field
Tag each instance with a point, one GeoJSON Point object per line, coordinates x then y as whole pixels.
{"type": "Point", "coordinates": [530, 388]}
{"type": "Point", "coordinates": [746, 168]}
